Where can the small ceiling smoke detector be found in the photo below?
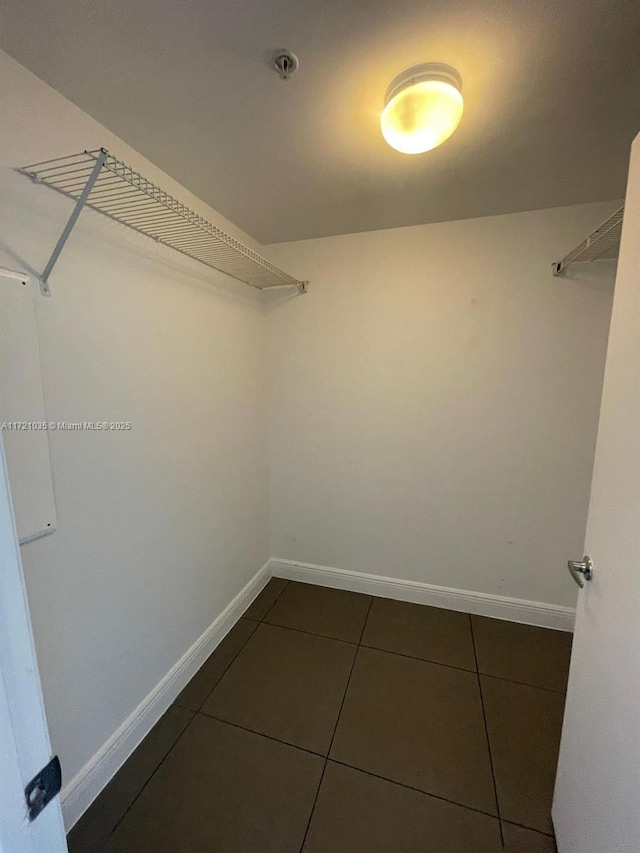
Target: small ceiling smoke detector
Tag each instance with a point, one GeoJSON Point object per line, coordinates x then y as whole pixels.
{"type": "Point", "coordinates": [423, 107]}
{"type": "Point", "coordinates": [285, 63]}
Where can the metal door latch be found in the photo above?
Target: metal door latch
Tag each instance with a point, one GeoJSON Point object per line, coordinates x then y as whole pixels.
{"type": "Point", "coordinates": [43, 788]}
{"type": "Point", "coordinates": [578, 568]}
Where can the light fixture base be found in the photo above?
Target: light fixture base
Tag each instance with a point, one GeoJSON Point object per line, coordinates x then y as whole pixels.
{"type": "Point", "coordinates": [421, 73]}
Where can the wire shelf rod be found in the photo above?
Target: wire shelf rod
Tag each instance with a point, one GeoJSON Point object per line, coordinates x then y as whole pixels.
{"type": "Point", "coordinates": [115, 191]}
{"type": "Point", "coordinates": [105, 196]}
{"type": "Point", "coordinates": [167, 231]}
{"type": "Point", "coordinates": [118, 203]}
{"type": "Point", "coordinates": [78, 181]}
{"type": "Point", "coordinates": [41, 172]}
{"type": "Point", "coordinates": [76, 169]}
{"type": "Point", "coordinates": [159, 217]}
{"type": "Point", "coordinates": [152, 214]}
{"type": "Point", "coordinates": [48, 164]}
{"type": "Point", "coordinates": [138, 216]}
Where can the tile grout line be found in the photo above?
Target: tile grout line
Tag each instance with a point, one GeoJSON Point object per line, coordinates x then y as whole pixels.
{"type": "Point", "coordinates": [414, 657]}
{"type": "Point", "coordinates": [486, 729]}
{"type": "Point", "coordinates": [193, 715]}
{"type": "Point", "coordinates": [420, 791]}
{"type": "Point", "coordinates": [410, 657]}
{"type": "Point", "coordinates": [309, 633]}
{"type": "Point", "coordinates": [335, 729]}
{"type": "Point", "coordinates": [393, 781]}
{"type": "Point", "coordinates": [366, 619]}
{"type": "Point", "coordinates": [260, 734]}
{"type": "Point", "coordinates": [257, 622]}
{"type": "Point", "coordinates": [275, 600]}
{"type": "Point", "coordinates": [313, 806]}
{"type": "Point", "coordinates": [529, 829]}
{"type": "Point", "coordinates": [360, 769]}
{"type": "Point", "coordinates": [138, 795]}
{"type": "Point", "coordinates": [523, 683]}
{"type": "Point", "coordinates": [226, 669]}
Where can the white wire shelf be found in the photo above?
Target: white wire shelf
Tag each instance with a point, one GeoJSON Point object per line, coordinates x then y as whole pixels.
{"type": "Point", "coordinates": [99, 180]}
{"type": "Point", "coordinates": [603, 244]}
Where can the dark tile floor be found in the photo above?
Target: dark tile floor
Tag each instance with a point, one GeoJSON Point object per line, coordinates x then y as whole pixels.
{"type": "Point", "coordinates": [331, 722]}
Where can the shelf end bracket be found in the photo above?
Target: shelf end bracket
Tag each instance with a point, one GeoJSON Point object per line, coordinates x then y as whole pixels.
{"type": "Point", "coordinates": [80, 203]}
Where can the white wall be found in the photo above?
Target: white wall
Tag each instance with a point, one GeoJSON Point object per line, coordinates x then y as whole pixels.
{"type": "Point", "coordinates": [434, 402]}
{"type": "Point", "coordinates": [160, 527]}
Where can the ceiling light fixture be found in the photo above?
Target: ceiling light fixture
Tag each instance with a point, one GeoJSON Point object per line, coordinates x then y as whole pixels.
{"type": "Point", "coordinates": [423, 107]}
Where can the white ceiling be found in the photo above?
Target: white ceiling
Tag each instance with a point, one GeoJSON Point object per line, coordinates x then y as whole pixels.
{"type": "Point", "coordinates": [552, 101]}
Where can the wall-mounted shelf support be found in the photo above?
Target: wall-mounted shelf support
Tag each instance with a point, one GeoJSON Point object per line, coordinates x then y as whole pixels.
{"type": "Point", "coordinates": [603, 244]}
{"type": "Point", "coordinates": [16, 274]}
{"type": "Point", "coordinates": [77, 210]}
{"type": "Point", "coordinates": [98, 180]}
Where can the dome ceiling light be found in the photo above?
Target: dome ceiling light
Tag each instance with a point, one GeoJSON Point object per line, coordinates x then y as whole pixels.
{"type": "Point", "coordinates": [423, 107]}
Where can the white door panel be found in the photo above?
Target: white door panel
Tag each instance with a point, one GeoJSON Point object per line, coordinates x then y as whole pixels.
{"type": "Point", "coordinates": [597, 798]}
{"type": "Point", "coordinates": [24, 738]}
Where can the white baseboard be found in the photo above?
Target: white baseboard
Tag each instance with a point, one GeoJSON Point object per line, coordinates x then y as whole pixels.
{"type": "Point", "coordinates": [480, 603]}
{"type": "Point", "coordinates": [85, 786]}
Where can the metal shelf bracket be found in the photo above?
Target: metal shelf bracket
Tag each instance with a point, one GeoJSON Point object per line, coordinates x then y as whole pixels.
{"type": "Point", "coordinates": [77, 210]}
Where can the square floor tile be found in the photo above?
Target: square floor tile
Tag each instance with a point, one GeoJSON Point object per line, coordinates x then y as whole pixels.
{"type": "Point", "coordinates": [520, 840]}
{"type": "Point", "coordinates": [430, 633]}
{"type": "Point", "coordinates": [524, 653]}
{"type": "Point", "coordinates": [223, 790]}
{"type": "Point", "coordinates": [214, 667]}
{"type": "Point", "coordinates": [358, 813]}
{"type": "Point", "coordinates": [287, 685]}
{"type": "Point", "coordinates": [95, 826]}
{"type": "Point", "coordinates": [524, 725]}
{"type": "Point", "coordinates": [417, 723]}
{"type": "Point", "coordinates": [329, 612]}
{"type": "Point", "coordinates": [265, 599]}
